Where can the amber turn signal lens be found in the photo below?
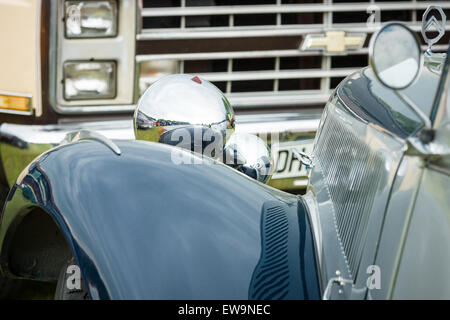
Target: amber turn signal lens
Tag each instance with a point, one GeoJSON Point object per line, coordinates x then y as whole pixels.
{"type": "Point", "coordinates": [15, 103]}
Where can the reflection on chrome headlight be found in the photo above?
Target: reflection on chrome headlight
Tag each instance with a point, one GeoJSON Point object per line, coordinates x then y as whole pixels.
{"type": "Point", "coordinates": [89, 80]}
{"type": "Point", "coordinates": [90, 19]}
{"type": "Point", "coordinates": [153, 70]}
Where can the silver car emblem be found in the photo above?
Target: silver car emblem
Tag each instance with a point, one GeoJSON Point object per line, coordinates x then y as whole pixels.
{"type": "Point", "coordinates": [432, 23]}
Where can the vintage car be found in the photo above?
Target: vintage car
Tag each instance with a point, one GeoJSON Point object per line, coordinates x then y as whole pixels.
{"type": "Point", "coordinates": [139, 223]}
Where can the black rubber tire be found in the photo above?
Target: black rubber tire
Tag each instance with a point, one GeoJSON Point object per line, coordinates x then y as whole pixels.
{"type": "Point", "coordinates": [64, 293]}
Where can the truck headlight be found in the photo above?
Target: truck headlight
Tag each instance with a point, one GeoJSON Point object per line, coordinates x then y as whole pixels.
{"type": "Point", "coordinates": [89, 80]}
{"type": "Point", "coordinates": [91, 19]}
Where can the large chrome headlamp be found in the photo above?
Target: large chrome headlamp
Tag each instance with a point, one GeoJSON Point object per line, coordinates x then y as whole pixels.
{"type": "Point", "coordinates": [90, 19]}
{"type": "Point", "coordinates": [185, 111]}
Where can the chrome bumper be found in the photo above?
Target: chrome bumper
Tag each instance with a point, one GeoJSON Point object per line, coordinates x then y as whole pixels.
{"type": "Point", "coordinates": [20, 144]}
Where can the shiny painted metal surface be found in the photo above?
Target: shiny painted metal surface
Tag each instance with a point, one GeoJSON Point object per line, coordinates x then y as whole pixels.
{"type": "Point", "coordinates": [423, 271]}
{"type": "Point", "coordinates": [395, 225]}
{"type": "Point", "coordinates": [250, 155]}
{"type": "Point", "coordinates": [424, 250]}
{"type": "Point", "coordinates": [186, 111]}
{"type": "Point", "coordinates": [373, 103]}
{"type": "Point", "coordinates": [203, 236]}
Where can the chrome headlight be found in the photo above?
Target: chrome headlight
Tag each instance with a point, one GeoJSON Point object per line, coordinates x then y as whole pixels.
{"type": "Point", "coordinates": [90, 19]}
{"type": "Point", "coordinates": [89, 80]}
{"type": "Point", "coordinates": [185, 111]}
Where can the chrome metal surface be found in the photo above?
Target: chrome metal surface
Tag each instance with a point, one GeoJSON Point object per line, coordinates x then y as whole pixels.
{"type": "Point", "coordinates": [334, 42]}
{"type": "Point", "coordinates": [304, 158]}
{"type": "Point", "coordinates": [250, 155]}
{"type": "Point", "coordinates": [434, 61]}
{"type": "Point", "coordinates": [262, 31]}
{"type": "Point", "coordinates": [186, 111]}
{"type": "Point", "coordinates": [433, 23]}
{"type": "Point", "coordinates": [355, 165]}
{"type": "Point", "coordinates": [90, 135]}
{"type": "Point", "coordinates": [352, 172]}
{"type": "Point", "coordinates": [288, 8]}
{"type": "Point", "coordinates": [338, 280]}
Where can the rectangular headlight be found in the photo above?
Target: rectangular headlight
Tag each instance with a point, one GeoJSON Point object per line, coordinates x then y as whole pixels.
{"type": "Point", "coordinates": [89, 80]}
{"type": "Point", "coordinates": [91, 19]}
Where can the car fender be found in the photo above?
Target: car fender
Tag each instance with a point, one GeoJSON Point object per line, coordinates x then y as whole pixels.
{"type": "Point", "coordinates": [141, 226]}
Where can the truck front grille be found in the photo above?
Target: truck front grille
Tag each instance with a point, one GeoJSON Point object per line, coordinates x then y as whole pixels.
{"type": "Point", "coordinates": [250, 48]}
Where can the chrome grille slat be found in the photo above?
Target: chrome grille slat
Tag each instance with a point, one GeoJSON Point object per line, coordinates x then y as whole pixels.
{"type": "Point", "coordinates": [352, 172]}
{"type": "Point", "coordinates": [234, 55]}
{"type": "Point", "coordinates": [266, 87]}
{"type": "Point", "coordinates": [262, 75]}
{"type": "Point", "coordinates": [255, 31]}
{"type": "Point", "coordinates": [248, 54]}
{"type": "Point", "coordinates": [287, 8]}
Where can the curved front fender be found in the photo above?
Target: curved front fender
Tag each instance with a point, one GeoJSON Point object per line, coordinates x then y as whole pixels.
{"type": "Point", "coordinates": [142, 227]}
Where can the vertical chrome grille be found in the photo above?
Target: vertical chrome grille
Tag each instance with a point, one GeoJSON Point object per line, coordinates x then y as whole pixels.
{"type": "Point", "coordinates": [352, 171]}
{"type": "Point", "coordinates": [201, 34]}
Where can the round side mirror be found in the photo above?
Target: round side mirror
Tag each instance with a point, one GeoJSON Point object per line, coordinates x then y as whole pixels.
{"type": "Point", "coordinates": [250, 155]}
{"type": "Point", "coordinates": [395, 55]}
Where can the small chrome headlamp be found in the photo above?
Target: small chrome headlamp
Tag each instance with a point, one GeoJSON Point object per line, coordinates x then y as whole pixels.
{"type": "Point", "coordinates": [90, 19]}
{"type": "Point", "coordinates": [89, 80]}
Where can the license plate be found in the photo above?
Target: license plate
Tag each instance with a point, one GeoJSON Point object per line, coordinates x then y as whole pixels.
{"type": "Point", "coordinates": [286, 164]}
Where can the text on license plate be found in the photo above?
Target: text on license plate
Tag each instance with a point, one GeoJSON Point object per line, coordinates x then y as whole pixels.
{"type": "Point", "coordinates": [286, 164]}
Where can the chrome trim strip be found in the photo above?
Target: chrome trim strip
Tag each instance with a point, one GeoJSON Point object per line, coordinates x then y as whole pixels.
{"type": "Point", "coordinates": [235, 55]}
{"type": "Point", "coordinates": [21, 113]}
{"type": "Point", "coordinates": [82, 135]}
{"type": "Point", "coordinates": [292, 8]}
{"type": "Point", "coordinates": [270, 99]}
{"type": "Point", "coordinates": [257, 31]}
{"type": "Point", "coordinates": [54, 134]}
{"type": "Point", "coordinates": [248, 54]}
{"type": "Point", "coordinates": [237, 100]}
{"type": "Point", "coordinates": [262, 75]}
{"type": "Point", "coordinates": [81, 109]}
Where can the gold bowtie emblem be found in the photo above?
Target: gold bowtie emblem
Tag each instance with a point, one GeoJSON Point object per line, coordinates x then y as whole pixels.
{"type": "Point", "coordinates": [333, 42]}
